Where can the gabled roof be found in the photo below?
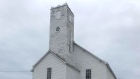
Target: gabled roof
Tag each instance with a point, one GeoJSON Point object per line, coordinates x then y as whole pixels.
{"type": "Point", "coordinates": [98, 59]}
{"type": "Point", "coordinates": [67, 63]}
{"type": "Point", "coordinates": [57, 56]}
{"type": "Point", "coordinates": [91, 53]}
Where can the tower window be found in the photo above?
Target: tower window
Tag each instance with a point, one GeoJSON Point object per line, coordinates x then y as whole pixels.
{"type": "Point", "coordinates": [88, 73]}
{"type": "Point", "coordinates": [49, 71]}
{"type": "Point", "coordinates": [70, 18]}
{"type": "Point", "coordinates": [58, 15]}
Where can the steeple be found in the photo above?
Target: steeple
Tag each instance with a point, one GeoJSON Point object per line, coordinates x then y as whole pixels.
{"type": "Point", "coordinates": [61, 30]}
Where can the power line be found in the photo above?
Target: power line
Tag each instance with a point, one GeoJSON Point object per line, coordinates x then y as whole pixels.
{"type": "Point", "coordinates": [14, 71]}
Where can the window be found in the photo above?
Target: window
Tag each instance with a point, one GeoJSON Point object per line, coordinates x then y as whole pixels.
{"type": "Point", "coordinates": [88, 73]}
{"type": "Point", "coordinates": [70, 18]}
{"type": "Point", "coordinates": [58, 15]}
{"type": "Point", "coordinates": [57, 29]}
{"type": "Point", "coordinates": [49, 71]}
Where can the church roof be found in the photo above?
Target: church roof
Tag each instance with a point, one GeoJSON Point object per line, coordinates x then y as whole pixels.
{"type": "Point", "coordinates": [67, 63]}
{"type": "Point", "coordinates": [55, 56]}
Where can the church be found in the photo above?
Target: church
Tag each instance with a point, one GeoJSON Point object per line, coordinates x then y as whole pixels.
{"type": "Point", "coordinates": [66, 59]}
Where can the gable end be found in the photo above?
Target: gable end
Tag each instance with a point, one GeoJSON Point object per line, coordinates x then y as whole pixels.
{"type": "Point", "coordinates": [55, 56]}
{"type": "Point", "coordinates": [107, 65]}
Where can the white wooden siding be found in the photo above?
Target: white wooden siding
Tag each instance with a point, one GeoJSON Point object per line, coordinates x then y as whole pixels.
{"type": "Point", "coordinates": [58, 68]}
{"type": "Point", "coordinates": [83, 60]}
{"type": "Point", "coordinates": [108, 74]}
{"type": "Point", "coordinates": [61, 41]}
{"type": "Point", "coordinates": [72, 73]}
{"type": "Point", "coordinates": [58, 40]}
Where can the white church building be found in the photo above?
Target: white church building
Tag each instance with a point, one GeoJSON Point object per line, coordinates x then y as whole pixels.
{"type": "Point", "coordinates": [65, 59]}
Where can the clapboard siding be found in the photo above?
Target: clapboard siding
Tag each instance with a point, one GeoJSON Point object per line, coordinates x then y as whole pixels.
{"type": "Point", "coordinates": [84, 60]}
{"type": "Point", "coordinates": [109, 75]}
{"type": "Point", "coordinates": [58, 68]}
{"type": "Point", "coordinates": [61, 41]}
{"type": "Point", "coordinates": [72, 73]}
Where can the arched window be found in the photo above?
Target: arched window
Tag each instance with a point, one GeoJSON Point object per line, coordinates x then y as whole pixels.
{"type": "Point", "coordinates": [58, 14]}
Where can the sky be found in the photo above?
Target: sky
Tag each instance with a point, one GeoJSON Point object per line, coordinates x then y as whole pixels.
{"type": "Point", "coordinates": [110, 29]}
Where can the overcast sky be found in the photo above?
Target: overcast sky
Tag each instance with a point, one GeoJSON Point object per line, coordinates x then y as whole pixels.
{"type": "Point", "coordinates": [110, 29]}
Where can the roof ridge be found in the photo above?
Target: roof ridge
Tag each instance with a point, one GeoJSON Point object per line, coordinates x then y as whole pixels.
{"type": "Point", "coordinates": [67, 63]}
{"type": "Point", "coordinates": [91, 53]}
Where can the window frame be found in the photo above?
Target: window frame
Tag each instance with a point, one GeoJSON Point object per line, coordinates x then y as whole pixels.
{"type": "Point", "coordinates": [70, 18]}
{"type": "Point", "coordinates": [88, 73]}
{"type": "Point", "coordinates": [58, 14]}
{"type": "Point", "coordinates": [49, 73]}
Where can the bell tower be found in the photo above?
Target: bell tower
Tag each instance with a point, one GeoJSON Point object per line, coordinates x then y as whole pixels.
{"type": "Point", "coordinates": [61, 31]}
